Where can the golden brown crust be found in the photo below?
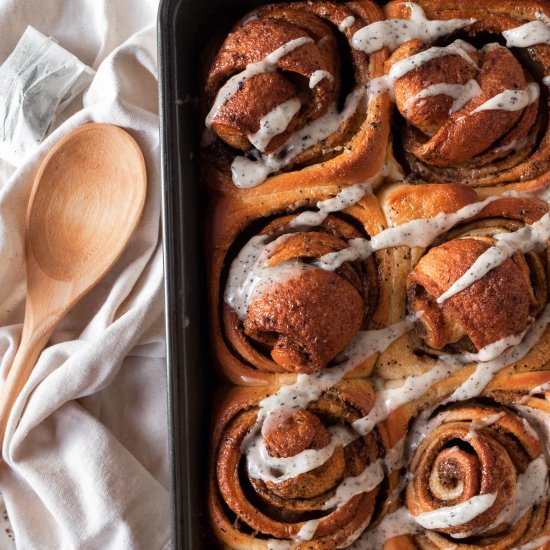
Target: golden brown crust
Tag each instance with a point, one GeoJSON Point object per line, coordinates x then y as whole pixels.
{"type": "Point", "coordinates": [277, 511]}
{"type": "Point", "coordinates": [312, 318]}
{"type": "Point", "coordinates": [490, 150]}
{"type": "Point", "coordinates": [302, 323]}
{"type": "Point", "coordinates": [253, 42]}
{"type": "Point", "coordinates": [309, 346]}
{"type": "Point", "coordinates": [496, 306]}
{"type": "Point", "coordinates": [490, 309]}
{"type": "Point", "coordinates": [457, 460]}
{"type": "Point", "coordinates": [355, 153]}
{"type": "Point", "coordinates": [427, 114]}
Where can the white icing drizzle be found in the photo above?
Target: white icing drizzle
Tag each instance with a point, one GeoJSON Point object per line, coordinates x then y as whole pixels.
{"type": "Point", "coordinates": [422, 426]}
{"type": "Point", "coordinates": [317, 76]}
{"type": "Point", "coordinates": [529, 34]}
{"type": "Point", "coordinates": [546, 80]}
{"type": "Point", "coordinates": [252, 17]}
{"type": "Point", "coordinates": [355, 534]}
{"type": "Point", "coordinates": [400, 522]}
{"type": "Point", "coordinates": [529, 429]}
{"type": "Point", "coordinates": [394, 32]}
{"type": "Point", "coordinates": [307, 532]}
{"type": "Point", "coordinates": [366, 481]}
{"type": "Point", "coordinates": [539, 422]}
{"type": "Point", "coordinates": [461, 94]}
{"type": "Point", "coordinates": [380, 85]}
{"type": "Point", "coordinates": [481, 376]}
{"type": "Point", "coordinates": [482, 423]}
{"type": "Point", "coordinates": [346, 23]}
{"type": "Point", "coordinates": [511, 100]}
{"type": "Point", "coordinates": [487, 421]}
{"type": "Point", "coordinates": [421, 232]}
{"type": "Point", "coordinates": [451, 516]}
{"type": "Point", "coordinates": [529, 237]}
{"type": "Point", "coordinates": [261, 465]}
{"type": "Point", "coordinates": [395, 457]}
{"type": "Point", "coordinates": [249, 275]}
{"type": "Point", "coordinates": [275, 544]}
{"type": "Point", "coordinates": [269, 64]}
{"type": "Point", "coordinates": [492, 351]}
{"type": "Point", "coordinates": [309, 387]}
{"type": "Point", "coordinates": [275, 122]}
{"type": "Point", "coordinates": [385, 84]}
{"type": "Point", "coordinates": [534, 544]}
{"type": "Point", "coordinates": [248, 173]}
{"type": "Point", "coordinates": [458, 47]}
{"type": "Point", "coordinates": [369, 478]}
{"type": "Point", "coordinates": [532, 486]}
{"type": "Point", "coordinates": [367, 343]}
{"type": "Point", "coordinates": [347, 197]}
{"type": "Point", "coordinates": [387, 400]}
{"type": "Point", "coordinates": [539, 389]}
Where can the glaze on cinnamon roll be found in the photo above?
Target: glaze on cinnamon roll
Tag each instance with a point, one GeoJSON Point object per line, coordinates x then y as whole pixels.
{"type": "Point", "coordinates": [286, 104]}
{"type": "Point", "coordinates": [389, 301]}
{"type": "Point", "coordinates": [477, 473]}
{"type": "Point", "coordinates": [275, 312]}
{"type": "Point", "coordinates": [282, 479]}
{"type": "Point", "coordinates": [472, 108]}
{"type": "Point", "coordinates": [469, 289]}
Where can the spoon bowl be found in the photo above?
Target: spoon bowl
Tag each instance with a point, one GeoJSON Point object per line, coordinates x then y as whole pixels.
{"type": "Point", "coordinates": [88, 191]}
{"type": "Point", "coordinates": [85, 204]}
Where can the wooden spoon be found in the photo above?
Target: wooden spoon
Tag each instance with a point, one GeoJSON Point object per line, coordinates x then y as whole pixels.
{"type": "Point", "coordinates": [85, 203]}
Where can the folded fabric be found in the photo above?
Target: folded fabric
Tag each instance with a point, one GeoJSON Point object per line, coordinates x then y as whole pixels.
{"type": "Point", "coordinates": [85, 452]}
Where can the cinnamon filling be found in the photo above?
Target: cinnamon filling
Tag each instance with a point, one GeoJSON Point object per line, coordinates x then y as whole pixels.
{"type": "Point", "coordinates": [294, 434]}
{"type": "Point", "coordinates": [490, 309]}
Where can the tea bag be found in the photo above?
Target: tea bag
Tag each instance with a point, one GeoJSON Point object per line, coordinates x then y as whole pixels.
{"type": "Point", "coordinates": [37, 81]}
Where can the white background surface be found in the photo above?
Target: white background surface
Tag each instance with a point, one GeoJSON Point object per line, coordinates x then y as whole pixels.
{"type": "Point", "coordinates": [85, 450]}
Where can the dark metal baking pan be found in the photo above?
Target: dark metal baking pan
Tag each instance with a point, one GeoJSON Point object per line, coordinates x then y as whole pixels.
{"type": "Point", "coordinates": [185, 27]}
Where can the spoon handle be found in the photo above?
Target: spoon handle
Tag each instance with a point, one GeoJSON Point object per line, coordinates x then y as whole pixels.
{"type": "Point", "coordinates": [33, 340]}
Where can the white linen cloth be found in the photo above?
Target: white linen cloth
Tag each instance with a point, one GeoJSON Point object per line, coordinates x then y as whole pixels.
{"type": "Point", "coordinates": [85, 453]}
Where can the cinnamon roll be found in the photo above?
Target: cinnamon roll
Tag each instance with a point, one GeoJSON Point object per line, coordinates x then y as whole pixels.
{"type": "Point", "coordinates": [281, 112]}
{"type": "Point", "coordinates": [293, 476]}
{"type": "Point", "coordinates": [388, 298]}
{"type": "Point", "coordinates": [468, 293]}
{"type": "Point", "coordinates": [477, 472]}
{"type": "Point", "coordinates": [274, 312]}
{"type": "Point", "coordinates": [473, 108]}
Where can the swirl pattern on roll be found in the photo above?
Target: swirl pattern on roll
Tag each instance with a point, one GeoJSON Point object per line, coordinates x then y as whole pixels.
{"type": "Point", "coordinates": [477, 115]}
{"type": "Point", "coordinates": [276, 313]}
{"type": "Point", "coordinates": [477, 471]}
{"type": "Point", "coordinates": [385, 302]}
{"type": "Point", "coordinates": [294, 509]}
{"type": "Point", "coordinates": [297, 114]}
{"type": "Point", "coordinates": [494, 307]}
